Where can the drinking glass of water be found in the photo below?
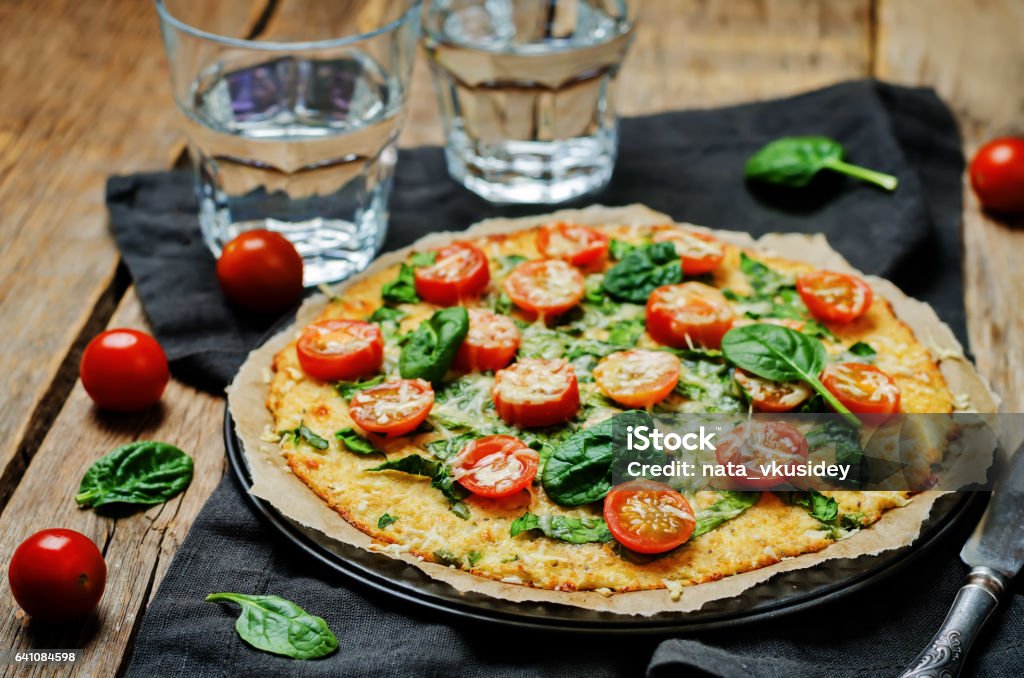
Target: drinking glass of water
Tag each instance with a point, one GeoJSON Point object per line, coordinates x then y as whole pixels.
{"type": "Point", "coordinates": [525, 90]}
{"type": "Point", "coordinates": [294, 130]}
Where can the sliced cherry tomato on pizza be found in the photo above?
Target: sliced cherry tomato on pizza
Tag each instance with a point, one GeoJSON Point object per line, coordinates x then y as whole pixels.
{"type": "Point", "coordinates": [459, 272]}
{"type": "Point", "coordinates": [637, 378]}
{"type": "Point", "coordinates": [536, 392]}
{"type": "Point", "coordinates": [491, 343]}
{"type": "Point", "coordinates": [579, 245]}
{"type": "Point", "coordinates": [393, 408]}
{"type": "Point", "coordinates": [834, 297]}
{"type": "Point", "coordinates": [547, 287]}
{"type": "Point", "coordinates": [334, 350]}
{"type": "Point", "coordinates": [756, 443]}
{"type": "Point", "coordinates": [689, 314]}
{"type": "Point", "coordinates": [495, 466]}
{"type": "Point", "coordinates": [648, 517]}
{"type": "Point", "coordinates": [861, 388]}
{"type": "Point", "coordinates": [700, 253]}
{"type": "Point", "coordinates": [772, 396]}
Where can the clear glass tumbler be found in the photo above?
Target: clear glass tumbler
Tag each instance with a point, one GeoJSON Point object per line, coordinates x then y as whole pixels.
{"type": "Point", "coordinates": [294, 132]}
{"type": "Point", "coordinates": [526, 93]}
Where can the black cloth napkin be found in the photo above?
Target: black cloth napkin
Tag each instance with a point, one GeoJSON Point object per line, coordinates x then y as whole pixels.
{"type": "Point", "coordinates": [688, 164]}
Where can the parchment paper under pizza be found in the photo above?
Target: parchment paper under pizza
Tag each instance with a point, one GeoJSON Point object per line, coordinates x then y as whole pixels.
{"type": "Point", "coordinates": [447, 406]}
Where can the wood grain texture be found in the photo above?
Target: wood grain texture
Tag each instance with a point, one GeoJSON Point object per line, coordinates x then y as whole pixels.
{"type": "Point", "coordinates": [137, 546]}
{"type": "Point", "coordinates": [83, 95]}
{"type": "Point", "coordinates": [972, 54]}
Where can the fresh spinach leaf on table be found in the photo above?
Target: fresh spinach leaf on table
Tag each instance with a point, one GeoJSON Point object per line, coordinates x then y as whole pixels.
{"type": "Point", "coordinates": [144, 472]}
{"type": "Point", "coordinates": [794, 162]}
{"type": "Point", "coordinates": [277, 625]}
{"type": "Point", "coordinates": [429, 352]}
{"type": "Point", "coordinates": [564, 528]}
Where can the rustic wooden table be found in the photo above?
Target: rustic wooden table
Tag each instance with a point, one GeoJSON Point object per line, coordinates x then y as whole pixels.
{"type": "Point", "coordinates": [84, 95]}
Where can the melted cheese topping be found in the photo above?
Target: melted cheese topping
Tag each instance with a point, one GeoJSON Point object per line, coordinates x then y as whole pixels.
{"type": "Point", "coordinates": [635, 370]}
{"type": "Point", "coordinates": [533, 380]}
{"type": "Point", "coordinates": [386, 404]}
{"type": "Point", "coordinates": [452, 266]}
{"type": "Point", "coordinates": [488, 330]}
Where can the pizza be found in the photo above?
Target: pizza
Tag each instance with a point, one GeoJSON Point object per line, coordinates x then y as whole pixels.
{"type": "Point", "coordinates": [445, 404]}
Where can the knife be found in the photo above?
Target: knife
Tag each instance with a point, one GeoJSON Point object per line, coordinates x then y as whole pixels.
{"type": "Point", "coordinates": [995, 553]}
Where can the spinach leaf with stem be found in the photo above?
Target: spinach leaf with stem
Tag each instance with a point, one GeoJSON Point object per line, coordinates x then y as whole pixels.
{"type": "Point", "coordinates": [781, 354]}
{"type": "Point", "coordinates": [794, 161]}
{"type": "Point", "coordinates": [143, 472]}
{"type": "Point", "coordinates": [274, 624]}
{"type": "Point", "coordinates": [429, 352]}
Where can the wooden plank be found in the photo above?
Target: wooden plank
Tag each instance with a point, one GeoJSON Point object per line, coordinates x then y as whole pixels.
{"type": "Point", "coordinates": [84, 95]}
{"type": "Point", "coordinates": [971, 53]}
{"type": "Point", "coordinates": [137, 546]}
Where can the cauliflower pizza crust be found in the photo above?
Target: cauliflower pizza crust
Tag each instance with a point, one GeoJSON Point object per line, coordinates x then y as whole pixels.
{"type": "Point", "coordinates": [404, 516]}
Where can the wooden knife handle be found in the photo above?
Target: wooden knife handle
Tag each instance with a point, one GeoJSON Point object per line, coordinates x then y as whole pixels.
{"type": "Point", "coordinates": [945, 655]}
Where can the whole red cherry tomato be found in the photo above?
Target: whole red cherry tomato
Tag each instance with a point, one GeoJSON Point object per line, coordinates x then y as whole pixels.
{"type": "Point", "coordinates": [997, 174]}
{"type": "Point", "coordinates": [124, 370]}
{"type": "Point", "coordinates": [57, 575]}
{"type": "Point", "coordinates": [261, 271]}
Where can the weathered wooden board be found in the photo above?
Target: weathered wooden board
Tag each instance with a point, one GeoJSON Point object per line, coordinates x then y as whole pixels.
{"type": "Point", "coordinates": [972, 54]}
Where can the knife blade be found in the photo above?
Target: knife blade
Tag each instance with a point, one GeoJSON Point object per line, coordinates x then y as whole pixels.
{"type": "Point", "coordinates": [998, 540]}
{"type": "Point", "coordinates": [995, 552]}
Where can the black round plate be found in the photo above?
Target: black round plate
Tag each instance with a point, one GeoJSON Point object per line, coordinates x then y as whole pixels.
{"type": "Point", "coordinates": [785, 593]}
